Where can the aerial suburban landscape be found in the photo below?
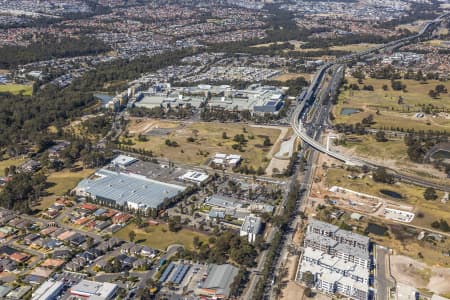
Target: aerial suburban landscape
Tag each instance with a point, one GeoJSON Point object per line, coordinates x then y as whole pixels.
{"type": "Point", "coordinates": [225, 149]}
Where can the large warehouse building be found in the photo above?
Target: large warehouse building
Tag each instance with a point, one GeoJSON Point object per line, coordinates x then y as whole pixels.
{"type": "Point", "coordinates": [132, 190]}
{"type": "Point", "coordinates": [94, 290]}
{"type": "Point", "coordinates": [218, 282]}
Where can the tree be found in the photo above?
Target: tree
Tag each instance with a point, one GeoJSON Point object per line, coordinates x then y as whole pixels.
{"type": "Point", "coordinates": [433, 94]}
{"type": "Point", "coordinates": [354, 87]}
{"type": "Point", "coordinates": [308, 278]}
{"type": "Point", "coordinates": [380, 136]}
{"type": "Point", "coordinates": [367, 120]}
{"type": "Point", "coordinates": [139, 221]}
{"type": "Point", "coordinates": [308, 292]}
{"type": "Point", "coordinates": [224, 135]}
{"type": "Point", "coordinates": [381, 175]}
{"type": "Point", "coordinates": [430, 194]}
{"type": "Point", "coordinates": [368, 87]}
{"type": "Point", "coordinates": [397, 85]}
{"type": "Point", "coordinates": [89, 242]}
{"type": "Point", "coordinates": [175, 224]}
{"type": "Point", "coordinates": [260, 171]}
{"type": "Point", "coordinates": [267, 142]}
{"type": "Point", "coordinates": [132, 235]}
{"type": "Point", "coordinates": [440, 88]}
{"type": "Point", "coordinates": [196, 241]}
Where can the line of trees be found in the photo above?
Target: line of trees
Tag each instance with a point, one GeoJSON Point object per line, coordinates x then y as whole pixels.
{"type": "Point", "coordinates": [281, 222]}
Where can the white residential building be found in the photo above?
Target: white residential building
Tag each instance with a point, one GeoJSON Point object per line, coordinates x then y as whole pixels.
{"type": "Point", "coordinates": [339, 260]}
{"type": "Point", "coordinates": [251, 227]}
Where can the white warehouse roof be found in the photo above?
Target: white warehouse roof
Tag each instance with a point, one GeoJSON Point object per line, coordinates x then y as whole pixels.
{"type": "Point", "coordinates": [123, 160]}
{"type": "Point", "coordinates": [133, 189]}
{"type": "Point", "coordinates": [100, 290]}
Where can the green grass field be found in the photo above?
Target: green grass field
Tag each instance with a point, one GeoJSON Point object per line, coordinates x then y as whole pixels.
{"type": "Point", "coordinates": [208, 141]}
{"type": "Point", "coordinates": [390, 113]}
{"type": "Point", "coordinates": [16, 89]}
{"type": "Point", "coordinates": [367, 146]}
{"type": "Point", "coordinates": [10, 162]}
{"type": "Point", "coordinates": [160, 237]}
{"type": "Point", "coordinates": [61, 182]}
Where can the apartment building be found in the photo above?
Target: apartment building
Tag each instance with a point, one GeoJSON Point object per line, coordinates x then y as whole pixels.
{"type": "Point", "coordinates": [344, 244]}
{"type": "Point", "coordinates": [338, 260]}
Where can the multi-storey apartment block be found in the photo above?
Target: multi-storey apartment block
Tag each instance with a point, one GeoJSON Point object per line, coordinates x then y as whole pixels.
{"type": "Point", "coordinates": [338, 260]}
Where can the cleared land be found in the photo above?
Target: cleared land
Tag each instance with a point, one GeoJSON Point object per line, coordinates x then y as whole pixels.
{"type": "Point", "coordinates": [413, 195]}
{"type": "Point", "coordinates": [413, 27]}
{"type": "Point", "coordinates": [7, 163]}
{"type": "Point", "coordinates": [207, 140]}
{"type": "Point", "coordinates": [436, 43]}
{"type": "Point", "coordinates": [65, 180]}
{"type": "Point", "coordinates": [354, 47]}
{"type": "Point", "coordinates": [160, 237]}
{"type": "Point", "coordinates": [16, 89]}
{"type": "Point", "coordinates": [291, 290]}
{"type": "Point", "coordinates": [349, 47]}
{"type": "Point", "coordinates": [414, 273]}
{"type": "Point", "coordinates": [289, 76]}
{"type": "Point", "coordinates": [391, 114]}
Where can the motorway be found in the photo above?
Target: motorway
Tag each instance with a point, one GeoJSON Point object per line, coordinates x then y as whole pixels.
{"type": "Point", "coordinates": [255, 273]}
{"type": "Point", "coordinates": [312, 102]}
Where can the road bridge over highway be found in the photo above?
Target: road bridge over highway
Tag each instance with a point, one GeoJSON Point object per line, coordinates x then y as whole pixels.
{"type": "Point", "coordinates": [310, 98]}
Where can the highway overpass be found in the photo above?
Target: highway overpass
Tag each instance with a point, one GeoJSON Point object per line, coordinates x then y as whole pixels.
{"type": "Point", "coordinates": [310, 97]}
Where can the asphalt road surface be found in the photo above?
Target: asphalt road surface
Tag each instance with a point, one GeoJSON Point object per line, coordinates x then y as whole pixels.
{"type": "Point", "coordinates": [383, 279]}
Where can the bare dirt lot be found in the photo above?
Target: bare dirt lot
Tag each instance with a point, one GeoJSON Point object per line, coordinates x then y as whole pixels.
{"type": "Point", "coordinates": [412, 272]}
{"type": "Point", "coordinates": [292, 290]}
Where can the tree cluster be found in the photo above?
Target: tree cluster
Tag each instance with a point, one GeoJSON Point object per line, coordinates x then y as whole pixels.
{"type": "Point", "coordinates": [21, 190]}
{"type": "Point", "coordinates": [381, 175]}
{"type": "Point", "coordinates": [48, 47]}
{"type": "Point", "coordinates": [419, 143]}
{"type": "Point", "coordinates": [228, 245]}
{"type": "Point", "coordinates": [441, 225]}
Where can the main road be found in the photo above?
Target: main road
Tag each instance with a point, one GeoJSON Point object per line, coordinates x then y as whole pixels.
{"type": "Point", "coordinates": [311, 139]}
